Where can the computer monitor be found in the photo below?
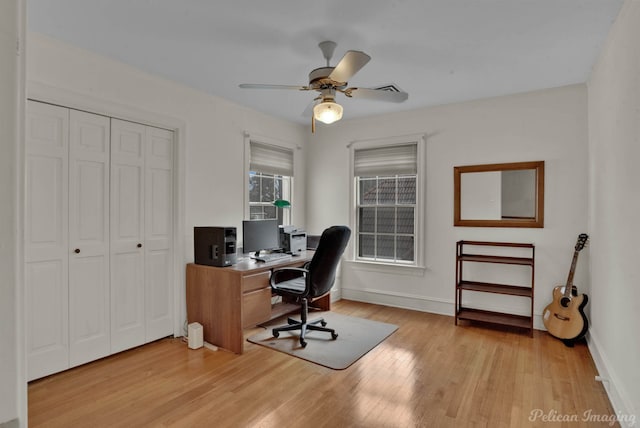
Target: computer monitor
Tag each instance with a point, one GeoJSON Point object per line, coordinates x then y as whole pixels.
{"type": "Point", "coordinates": [260, 235]}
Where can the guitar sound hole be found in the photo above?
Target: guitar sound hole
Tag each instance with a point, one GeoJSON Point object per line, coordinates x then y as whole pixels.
{"type": "Point", "coordinates": [565, 302]}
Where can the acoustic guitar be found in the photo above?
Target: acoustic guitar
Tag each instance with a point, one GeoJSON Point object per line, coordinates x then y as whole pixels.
{"type": "Point", "coordinates": [564, 317]}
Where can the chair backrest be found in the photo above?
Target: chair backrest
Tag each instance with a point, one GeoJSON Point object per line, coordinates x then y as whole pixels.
{"type": "Point", "coordinates": [323, 265]}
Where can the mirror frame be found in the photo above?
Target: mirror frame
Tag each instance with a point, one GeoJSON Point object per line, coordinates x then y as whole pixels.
{"type": "Point", "coordinates": [538, 221]}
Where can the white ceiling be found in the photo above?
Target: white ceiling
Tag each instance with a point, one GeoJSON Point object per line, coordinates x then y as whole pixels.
{"type": "Point", "coordinates": [439, 51]}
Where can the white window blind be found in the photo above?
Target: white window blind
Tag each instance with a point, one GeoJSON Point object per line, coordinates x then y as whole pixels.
{"type": "Point", "coordinates": [270, 159]}
{"type": "Point", "coordinates": [388, 160]}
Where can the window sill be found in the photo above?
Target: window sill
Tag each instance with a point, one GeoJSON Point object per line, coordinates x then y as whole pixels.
{"type": "Point", "coordinates": [363, 265]}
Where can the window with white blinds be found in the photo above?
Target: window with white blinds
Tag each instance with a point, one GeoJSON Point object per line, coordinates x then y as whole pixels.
{"type": "Point", "coordinates": [387, 204]}
{"type": "Point", "coordinates": [270, 177]}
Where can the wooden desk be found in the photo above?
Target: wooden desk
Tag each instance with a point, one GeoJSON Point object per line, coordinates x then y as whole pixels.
{"type": "Point", "coordinates": [226, 300]}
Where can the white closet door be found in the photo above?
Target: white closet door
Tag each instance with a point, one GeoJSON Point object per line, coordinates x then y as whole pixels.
{"type": "Point", "coordinates": [127, 235]}
{"type": "Point", "coordinates": [46, 239]}
{"type": "Point", "coordinates": [89, 143]}
{"type": "Point", "coordinates": [158, 233]}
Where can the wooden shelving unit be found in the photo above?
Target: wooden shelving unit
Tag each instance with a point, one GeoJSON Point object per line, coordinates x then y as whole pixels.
{"type": "Point", "coordinates": [491, 317]}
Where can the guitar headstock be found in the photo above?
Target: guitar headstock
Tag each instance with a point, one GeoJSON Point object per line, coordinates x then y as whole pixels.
{"type": "Point", "coordinates": [582, 241]}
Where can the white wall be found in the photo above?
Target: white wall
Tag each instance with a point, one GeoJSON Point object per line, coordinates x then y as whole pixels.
{"type": "Point", "coordinates": [12, 385]}
{"type": "Point", "coordinates": [614, 210]}
{"type": "Point", "coordinates": [214, 128]}
{"type": "Point", "coordinates": [211, 130]}
{"type": "Point", "coordinates": [546, 125]}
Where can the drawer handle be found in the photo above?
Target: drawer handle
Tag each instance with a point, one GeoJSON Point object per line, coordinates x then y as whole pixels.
{"type": "Point", "coordinates": [77, 251]}
{"type": "Point", "coordinates": [139, 245]}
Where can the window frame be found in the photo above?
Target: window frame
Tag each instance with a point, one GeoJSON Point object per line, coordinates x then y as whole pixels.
{"type": "Point", "coordinates": [379, 207]}
{"type": "Point", "coordinates": [420, 203]}
{"type": "Point", "coordinates": [288, 214]}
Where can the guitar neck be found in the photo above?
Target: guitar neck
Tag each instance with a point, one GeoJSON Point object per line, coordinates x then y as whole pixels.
{"type": "Point", "coordinates": [569, 284]}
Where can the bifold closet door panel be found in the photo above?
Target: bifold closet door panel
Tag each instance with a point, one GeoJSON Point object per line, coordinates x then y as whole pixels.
{"type": "Point", "coordinates": [89, 330]}
{"type": "Point", "coordinates": [46, 239]}
{"type": "Point", "coordinates": [127, 235]}
{"type": "Point", "coordinates": [99, 261]}
{"type": "Point", "coordinates": [158, 233]}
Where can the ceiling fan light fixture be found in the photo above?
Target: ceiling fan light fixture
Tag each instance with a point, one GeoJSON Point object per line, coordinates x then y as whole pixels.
{"type": "Point", "coordinates": [327, 112]}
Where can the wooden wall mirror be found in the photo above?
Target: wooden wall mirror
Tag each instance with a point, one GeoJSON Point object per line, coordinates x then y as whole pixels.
{"type": "Point", "coordinates": [499, 195]}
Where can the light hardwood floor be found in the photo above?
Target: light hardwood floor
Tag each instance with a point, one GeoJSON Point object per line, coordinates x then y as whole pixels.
{"type": "Point", "coordinates": [429, 373]}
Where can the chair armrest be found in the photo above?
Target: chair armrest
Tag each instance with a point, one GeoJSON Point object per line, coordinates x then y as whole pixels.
{"type": "Point", "coordinates": [288, 273]}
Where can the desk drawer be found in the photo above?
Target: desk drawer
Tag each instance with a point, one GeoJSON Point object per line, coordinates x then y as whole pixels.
{"type": "Point", "coordinates": [255, 282]}
{"type": "Point", "coordinates": [256, 307]}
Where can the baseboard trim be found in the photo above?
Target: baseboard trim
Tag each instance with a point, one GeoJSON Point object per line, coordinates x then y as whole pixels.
{"type": "Point", "coordinates": [397, 300]}
{"type": "Point", "coordinates": [13, 423]}
{"type": "Point", "coordinates": [419, 303]}
{"type": "Point", "coordinates": [611, 382]}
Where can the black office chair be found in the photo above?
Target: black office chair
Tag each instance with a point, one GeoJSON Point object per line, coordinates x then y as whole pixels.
{"type": "Point", "coordinates": [312, 281]}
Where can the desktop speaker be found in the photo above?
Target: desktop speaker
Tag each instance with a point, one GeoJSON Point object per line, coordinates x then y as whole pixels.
{"type": "Point", "coordinates": [214, 246]}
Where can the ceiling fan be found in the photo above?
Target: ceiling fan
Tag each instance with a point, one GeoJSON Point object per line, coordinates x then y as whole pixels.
{"type": "Point", "coordinates": [330, 80]}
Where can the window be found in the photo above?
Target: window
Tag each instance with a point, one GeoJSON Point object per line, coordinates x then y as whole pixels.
{"type": "Point", "coordinates": [388, 214]}
{"type": "Point", "coordinates": [270, 176]}
{"type": "Point", "coordinates": [263, 190]}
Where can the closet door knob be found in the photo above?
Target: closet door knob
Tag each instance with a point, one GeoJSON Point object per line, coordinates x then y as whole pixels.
{"type": "Point", "coordinates": [77, 251]}
{"type": "Point", "coordinates": [139, 245]}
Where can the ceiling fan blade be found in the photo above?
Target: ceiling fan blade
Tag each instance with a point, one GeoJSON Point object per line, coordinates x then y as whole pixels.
{"type": "Point", "coordinates": [377, 94]}
{"type": "Point", "coordinates": [349, 65]}
{"type": "Point", "coordinates": [261, 86]}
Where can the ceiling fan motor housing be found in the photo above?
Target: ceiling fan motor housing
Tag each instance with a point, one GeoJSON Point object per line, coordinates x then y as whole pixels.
{"type": "Point", "coordinates": [319, 79]}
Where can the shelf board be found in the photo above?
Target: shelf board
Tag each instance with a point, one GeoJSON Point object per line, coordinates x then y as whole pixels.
{"type": "Point", "coordinates": [496, 244]}
{"type": "Point", "coordinates": [488, 287]}
{"type": "Point", "coordinates": [494, 317]}
{"type": "Point", "coordinates": [527, 261]}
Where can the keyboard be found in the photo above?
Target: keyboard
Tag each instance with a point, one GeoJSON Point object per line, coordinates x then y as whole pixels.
{"type": "Point", "coordinates": [271, 257]}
